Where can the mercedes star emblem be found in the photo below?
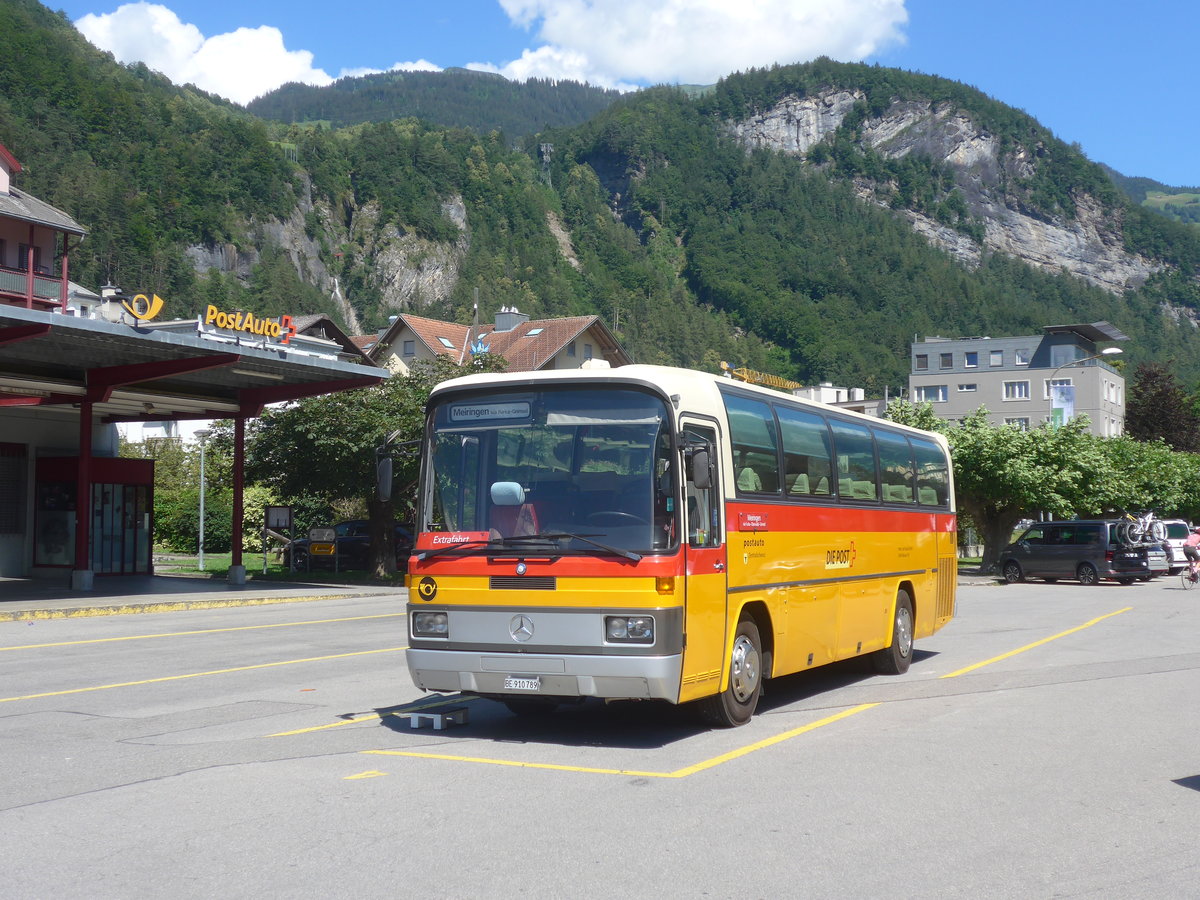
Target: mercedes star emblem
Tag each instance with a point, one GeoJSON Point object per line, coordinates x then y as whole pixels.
{"type": "Point", "coordinates": [521, 628]}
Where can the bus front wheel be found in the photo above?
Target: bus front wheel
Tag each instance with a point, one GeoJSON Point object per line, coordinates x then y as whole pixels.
{"type": "Point", "coordinates": [894, 660]}
{"type": "Point", "coordinates": [735, 705]}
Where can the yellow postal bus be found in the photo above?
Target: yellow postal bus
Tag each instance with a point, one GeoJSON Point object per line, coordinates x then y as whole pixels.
{"type": "Point", "coordinates": [656, 533]}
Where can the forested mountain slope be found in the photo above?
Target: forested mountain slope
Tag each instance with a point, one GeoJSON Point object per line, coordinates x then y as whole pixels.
{"type": "Point", "coordinates": [809, 220]}
{"type": "Point", "coordinates": [455, 98]}
{"type": "Point", "coordinates": [1181, 204]}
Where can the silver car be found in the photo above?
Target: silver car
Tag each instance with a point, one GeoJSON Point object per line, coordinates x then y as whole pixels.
{"type": "Point", "coordinates": [1177, 533]}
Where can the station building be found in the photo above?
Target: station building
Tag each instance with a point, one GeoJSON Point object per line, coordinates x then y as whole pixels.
{"type": "Point", "coordinates": [75, 363]}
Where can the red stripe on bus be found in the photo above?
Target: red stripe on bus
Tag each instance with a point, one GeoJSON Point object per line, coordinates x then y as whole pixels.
{"type": "Point", "coordinates": [795, 518]}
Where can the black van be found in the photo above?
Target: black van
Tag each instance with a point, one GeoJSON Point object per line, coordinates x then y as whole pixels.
{"type": "Point", "coordinates": [1082, 549]}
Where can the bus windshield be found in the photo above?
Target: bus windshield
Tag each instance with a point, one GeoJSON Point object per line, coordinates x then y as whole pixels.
{"type": "Point", "coordinates": [582, 468]}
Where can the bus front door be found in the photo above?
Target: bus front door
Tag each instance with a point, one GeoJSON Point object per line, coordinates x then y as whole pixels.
{"type": "Point", "coordinates": [704, 555]}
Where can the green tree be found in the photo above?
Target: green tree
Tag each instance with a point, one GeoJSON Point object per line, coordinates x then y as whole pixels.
{"type": "Point", "coordinates": [177, 493]}
{"type": "Point", "coordinates": [918, 415]}
{"type": "Point", "coordinates": [1003, 474]}
{"type": "Point", "coordinates": [1159, 408]}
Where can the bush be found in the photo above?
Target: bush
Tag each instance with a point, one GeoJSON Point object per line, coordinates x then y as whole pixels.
{"type": "Point", "coordinates": [177, 520]}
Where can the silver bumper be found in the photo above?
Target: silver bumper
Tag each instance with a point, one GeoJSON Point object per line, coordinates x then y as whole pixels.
{"type": "Point", "coordinates": [610, 677]}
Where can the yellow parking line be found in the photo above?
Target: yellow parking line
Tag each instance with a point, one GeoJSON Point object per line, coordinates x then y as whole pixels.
{"type": "Point", "coordinates": [371, 717]}
{"type": "Point", "coordinates": [678, 773]}
{"type": "Point", "coordinates": [741, 751]}
{"type": "Point", "coordinates": [522, 765]}
{"type": "Point", "coordinates": [771, 741]}
{"type": "Point", "coordinates": [142, 637]}
{"type": "Point", "coordinates": [285, 662]}
{"type": "Point", "coordinates": [129, 609]}
{"type": "Point", "coordinates": [1053, 637]}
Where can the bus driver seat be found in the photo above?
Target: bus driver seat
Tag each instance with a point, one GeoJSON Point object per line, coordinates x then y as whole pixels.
{"type": "Point", "coordinates": [511, 515]}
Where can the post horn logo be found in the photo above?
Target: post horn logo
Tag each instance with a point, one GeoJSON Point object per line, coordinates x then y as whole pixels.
{"type": "Point", "coordinates": [142, 307]}
{"type": "Point", "coordinates": [427, 589]}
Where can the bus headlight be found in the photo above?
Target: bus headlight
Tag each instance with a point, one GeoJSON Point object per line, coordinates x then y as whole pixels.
{"type": "Point", "coordinates": [629, 629]}
{"type": "Point", "coordinates": [430, 624]}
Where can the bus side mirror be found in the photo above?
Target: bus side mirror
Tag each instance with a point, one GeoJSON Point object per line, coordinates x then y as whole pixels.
{"type": "Point", "coordinates": [701, 473]}
{"type": "Point", "coordinates": [383, 477]}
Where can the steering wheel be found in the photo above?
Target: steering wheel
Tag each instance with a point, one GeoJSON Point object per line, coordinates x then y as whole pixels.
{"type": "Point", "coordinates": [615, 517]}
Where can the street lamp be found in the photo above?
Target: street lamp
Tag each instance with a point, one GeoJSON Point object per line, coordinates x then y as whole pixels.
{"type": "Point", "coordinates": [202, 436]}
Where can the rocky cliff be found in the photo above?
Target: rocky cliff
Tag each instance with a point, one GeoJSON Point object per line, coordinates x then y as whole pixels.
{"type": "Point", "coordinates": [407, 271]}
{"type": "Point", "coordinates": [1090, 245]}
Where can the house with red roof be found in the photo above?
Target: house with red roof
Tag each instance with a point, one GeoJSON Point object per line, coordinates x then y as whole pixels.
{"type": "Point", "coordinates": [528, 345]}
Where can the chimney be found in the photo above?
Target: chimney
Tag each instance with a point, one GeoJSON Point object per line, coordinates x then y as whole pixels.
{"type": "Point", "coordinates": [509, 318]}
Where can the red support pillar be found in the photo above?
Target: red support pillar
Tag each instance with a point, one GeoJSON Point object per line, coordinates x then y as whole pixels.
{"type": "Point", "coordinates": [81, 576]}
{"type": "Point", "coordinates": [237, 572]}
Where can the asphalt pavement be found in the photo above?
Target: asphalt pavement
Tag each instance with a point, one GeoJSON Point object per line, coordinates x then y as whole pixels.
{"type": "Point", "coordinates": [42, 598]}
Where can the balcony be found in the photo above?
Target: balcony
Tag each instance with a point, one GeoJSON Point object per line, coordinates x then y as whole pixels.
{"type": "Point", "coordinates": [14, 289]}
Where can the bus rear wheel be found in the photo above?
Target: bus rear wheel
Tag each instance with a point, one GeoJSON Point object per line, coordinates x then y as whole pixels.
{"type": "Point", "coordinates": [736, 704]}
{"type": "Point", "coordinates": [895, 659]}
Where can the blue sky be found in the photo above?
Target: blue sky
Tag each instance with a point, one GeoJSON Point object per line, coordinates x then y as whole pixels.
{"type": "Point", "coordinates": [1112, 77]}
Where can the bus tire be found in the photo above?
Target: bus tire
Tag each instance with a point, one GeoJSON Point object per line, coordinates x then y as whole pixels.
{"type": "Point", "coordinates": [895, 659]}
{"type": "Point", "coordinates": [735, 705]}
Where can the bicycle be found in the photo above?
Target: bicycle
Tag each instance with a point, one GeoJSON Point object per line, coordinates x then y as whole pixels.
{"type": "Point", "coordinates": [1143, 529]}
{"type": "Point", "coordinates": [1190, 577]}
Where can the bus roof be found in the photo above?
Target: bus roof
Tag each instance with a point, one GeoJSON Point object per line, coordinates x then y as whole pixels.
{"type": "Point", "coordinates": [694, 389]}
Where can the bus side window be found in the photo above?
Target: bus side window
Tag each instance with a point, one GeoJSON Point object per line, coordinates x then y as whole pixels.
{"type": "Point", "coordinates": [703, 521]}
{"type": "Point", "coordinates": [933, 473]}
{"type": "Point", "coordinates": [806, 452]}
{"type": "Point", "coordinates": [857, 479]}
{"type": "Point", "coordinates": [755, 442]}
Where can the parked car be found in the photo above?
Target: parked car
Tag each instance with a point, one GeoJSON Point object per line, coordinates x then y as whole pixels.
{"type": "Point", "coordinates": [353, 542]}
{"type": "Point", "coordinates": [1157, 559]}
{"type": "Point", "coordinates": [1177, 532]}
{"type": "Point", "coordinates": [1084, 550]}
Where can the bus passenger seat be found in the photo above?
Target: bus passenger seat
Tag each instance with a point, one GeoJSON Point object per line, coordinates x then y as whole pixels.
{"type": "Point", "coordinates": [511, 515]}
{"type": "Point", "coordinates": [748, 480]}
{"type": "Point", "coordinates": [798, 484]}
{"type": "Point", "coordinates": [511, 521]}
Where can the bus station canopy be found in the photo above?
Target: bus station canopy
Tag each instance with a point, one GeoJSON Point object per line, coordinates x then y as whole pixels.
{"type": "Point", "coordinates": [142, 373]}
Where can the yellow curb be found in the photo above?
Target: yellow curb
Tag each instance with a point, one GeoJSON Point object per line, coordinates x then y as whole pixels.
{"type": "Point", "coordinates": [84, 612]}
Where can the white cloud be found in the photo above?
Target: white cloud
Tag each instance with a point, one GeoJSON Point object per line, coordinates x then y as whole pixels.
{"type": "Point", "coordinates": [608, 42]}
{"type": "Point", "coordinates": [419, 65]}
{"type": "Point", "coordinates": [612, 43]}
{"type": "Point", "coordinates": [239, 65]}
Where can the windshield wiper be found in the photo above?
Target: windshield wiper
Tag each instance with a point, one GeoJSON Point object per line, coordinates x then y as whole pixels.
{"type": "Point", "coordinates": [543, 538]}
{"type": "Point", "coordinates": [455, 545]}
{"type": "Point", "coordinates": [559, 535]}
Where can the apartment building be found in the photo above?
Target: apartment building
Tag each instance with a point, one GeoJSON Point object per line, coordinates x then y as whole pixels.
{"type": "Point", "coordinates": [1024, 381]}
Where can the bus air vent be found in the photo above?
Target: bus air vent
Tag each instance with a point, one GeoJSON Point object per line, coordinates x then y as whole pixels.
{"type": "Point", "coordinates": [523, 583]}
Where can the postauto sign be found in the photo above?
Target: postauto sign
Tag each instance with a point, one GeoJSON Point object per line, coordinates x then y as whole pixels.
{"type": "Point", "coordinates": [280, 329]}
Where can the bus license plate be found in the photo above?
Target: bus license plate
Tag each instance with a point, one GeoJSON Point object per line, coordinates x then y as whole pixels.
{"type": "Point", "coordinates": [517, 683]}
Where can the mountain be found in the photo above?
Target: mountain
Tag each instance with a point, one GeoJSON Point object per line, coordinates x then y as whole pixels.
{"type": "Point", "coordinates": [807, 220]}
{"type": "Point", "coordinates": [1182, 204]}
{"type": "Point", "coordinates": [455, 98]}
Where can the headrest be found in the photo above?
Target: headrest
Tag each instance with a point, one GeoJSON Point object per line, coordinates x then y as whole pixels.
{"type": "Point", "coordinates": [507, 493]}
